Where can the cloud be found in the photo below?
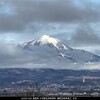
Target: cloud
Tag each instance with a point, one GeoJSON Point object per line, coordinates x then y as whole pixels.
{"type": "Point", "coordinates": [85, 35]}
{"type": "Point", "coordinates": [25, 12]}
{"type": "Point", "coordinates": [13, 57]}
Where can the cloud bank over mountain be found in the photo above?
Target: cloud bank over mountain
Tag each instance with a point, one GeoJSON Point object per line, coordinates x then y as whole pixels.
{"type": "Point", "coordinates": [44, 53]}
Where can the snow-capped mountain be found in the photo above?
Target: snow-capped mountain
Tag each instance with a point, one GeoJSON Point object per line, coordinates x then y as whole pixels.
{"type": "Point", "coordinates": [50, 50]}
{"type": "Point", "coordinates": [45, 41]}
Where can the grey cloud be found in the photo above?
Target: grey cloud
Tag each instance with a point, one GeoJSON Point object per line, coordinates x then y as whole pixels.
{"type": "Point", "coordinates": [85, 36]}
{"type": "Point", "coordinates": [29, 11]}
{"type": "Point", "coordinates": [10, 56]}
{"type": "Point", "coordinates": [53, 10]}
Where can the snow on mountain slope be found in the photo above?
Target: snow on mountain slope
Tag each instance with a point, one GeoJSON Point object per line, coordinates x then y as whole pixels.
{"type": "Point", "coordinates": [51, 50]}
{"type": "Point", "coordinates": [45, 41]}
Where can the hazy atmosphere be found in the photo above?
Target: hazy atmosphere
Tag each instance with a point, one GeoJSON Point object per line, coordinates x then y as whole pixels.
{"type": "Point", "coordinates": [75, 22]}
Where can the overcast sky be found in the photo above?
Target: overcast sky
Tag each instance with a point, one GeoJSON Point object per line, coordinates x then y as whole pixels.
{"type": "Point", "coordinates": [75, 22]}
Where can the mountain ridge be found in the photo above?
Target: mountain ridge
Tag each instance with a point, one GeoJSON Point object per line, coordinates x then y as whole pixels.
{"type": "Point", "coordinates": [53, 50]}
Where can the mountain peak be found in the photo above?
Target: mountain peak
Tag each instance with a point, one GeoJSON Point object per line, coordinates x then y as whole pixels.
{"type": "Point", "coordinates": [45, 36]}
{"type": "Point", "coordinates": [44, 41]}
{"type": "Point", "coordinates": [48, 39]}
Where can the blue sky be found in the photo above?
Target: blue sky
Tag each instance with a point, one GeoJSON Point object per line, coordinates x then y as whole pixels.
{"type": "Point", "coordinates": [96, 1]}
